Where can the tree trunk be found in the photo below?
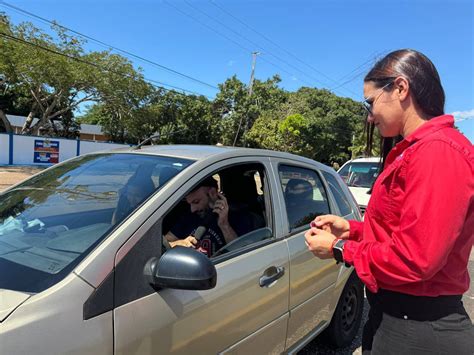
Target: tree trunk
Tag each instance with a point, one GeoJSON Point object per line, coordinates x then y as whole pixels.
{"type": "Point", "coordinates": [45, 117]}
{"type": "Point", "coordinates": [26, 126]}
{"type": "Point", "coordinates": [6, 122]}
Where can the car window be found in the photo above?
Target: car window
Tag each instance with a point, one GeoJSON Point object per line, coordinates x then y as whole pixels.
{"type": "Point", "coordinates": [341, 200]}
{"type": "Point", "coordinates": [305, 196]}
{"type": "Point", "coordinates": [49, 223]}
{"type": "Point", "coordinates": [360, 174]}
{"type": "Point", "coordinates": [242, 189]}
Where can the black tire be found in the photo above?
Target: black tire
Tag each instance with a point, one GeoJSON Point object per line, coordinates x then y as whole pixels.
{"type": "Point", "coordinates": [347, 317]}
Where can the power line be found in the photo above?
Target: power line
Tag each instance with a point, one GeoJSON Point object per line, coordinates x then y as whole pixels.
{"type": "Point", "coordinates": [372, 57]}
{"type": "Point", "coordinates": [80, 60]}
{"type": "Point", "coordinates": [276, 44]}
{"type": "Point", "coordinates": [252, 42]}
{"type": "Point", "coordinates": [54, 23]}
{"type": "Point", "coordinates": [20, 40]}
{"type": "Point", "coordinates": [360, 70]}
{"type": "Point", "coordinates": [248, 50]}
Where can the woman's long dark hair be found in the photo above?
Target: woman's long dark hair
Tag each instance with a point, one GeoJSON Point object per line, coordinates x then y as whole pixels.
{"type": "Point", "coordinates": [425, 88]}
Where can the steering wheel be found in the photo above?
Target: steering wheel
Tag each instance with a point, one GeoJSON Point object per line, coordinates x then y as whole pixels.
{"type": "Point", "coordinates": [246, 239]}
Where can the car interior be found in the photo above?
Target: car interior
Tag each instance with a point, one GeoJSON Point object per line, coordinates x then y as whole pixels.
{"type": "Point", "coordinates": [243, 186]}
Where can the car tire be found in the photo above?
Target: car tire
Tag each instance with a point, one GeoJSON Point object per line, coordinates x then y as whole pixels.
{"type": "Point", "coordinates": [347, 317]}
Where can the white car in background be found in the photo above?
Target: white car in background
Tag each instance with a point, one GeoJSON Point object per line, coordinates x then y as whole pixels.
{"type": "Point", "coordinates": [359, 175]}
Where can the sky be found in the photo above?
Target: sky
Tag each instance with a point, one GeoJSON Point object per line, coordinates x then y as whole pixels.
{"type": "Point", "coordinates": [328, 44]}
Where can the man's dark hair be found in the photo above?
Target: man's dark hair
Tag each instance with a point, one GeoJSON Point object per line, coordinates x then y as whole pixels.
{"type": "Point", "coordinates": [207, 182]}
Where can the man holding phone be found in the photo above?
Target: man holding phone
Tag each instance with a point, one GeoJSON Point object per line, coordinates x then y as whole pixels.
{"type": "Point", "coordinates": [211, 223]}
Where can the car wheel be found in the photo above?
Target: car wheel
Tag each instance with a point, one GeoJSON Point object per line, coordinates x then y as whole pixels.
{"type": "Point", "coordinates": [346, 320]}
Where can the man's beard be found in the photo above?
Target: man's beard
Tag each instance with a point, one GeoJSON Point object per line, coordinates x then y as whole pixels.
{"type": "Point", "coordinates": [207, 216]}
{"type": "Point", "coordinates": [203, 213]}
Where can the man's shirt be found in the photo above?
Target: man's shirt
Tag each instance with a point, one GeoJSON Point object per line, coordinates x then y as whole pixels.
{"type": "Point", "coordinates": [213, 239]}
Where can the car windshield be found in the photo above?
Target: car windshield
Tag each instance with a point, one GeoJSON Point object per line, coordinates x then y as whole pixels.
{"type": "Point", "coordinates": [50, 222]}
{"type": "Point", "coordinates": [362, 174]}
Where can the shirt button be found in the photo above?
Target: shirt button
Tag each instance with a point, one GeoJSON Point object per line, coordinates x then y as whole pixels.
{"type": "Point", "coordinates": [405, 317]}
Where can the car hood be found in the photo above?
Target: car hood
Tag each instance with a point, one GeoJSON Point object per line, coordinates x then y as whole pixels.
{"type": "Point", "coordinates": [360, 195]}
{"type": "Point", "coordinates": [9, 301]}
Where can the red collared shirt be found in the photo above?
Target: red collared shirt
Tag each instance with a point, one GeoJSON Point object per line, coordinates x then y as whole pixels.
{"type": "Point", "coordinates": [418, 228]}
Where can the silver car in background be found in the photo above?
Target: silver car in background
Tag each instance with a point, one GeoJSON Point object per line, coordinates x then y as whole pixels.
{"type": "Point", "coordinates": [85, 270]}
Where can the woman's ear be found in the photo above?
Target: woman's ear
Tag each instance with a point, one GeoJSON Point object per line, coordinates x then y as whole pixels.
{"type": "Point", "coordinates": [401, 88]}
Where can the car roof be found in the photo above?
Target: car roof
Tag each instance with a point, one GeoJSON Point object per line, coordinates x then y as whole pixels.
{"type": "Point", "coordinates": [366, 160]}
{"type": "Point", "coordinates": [203, 152]}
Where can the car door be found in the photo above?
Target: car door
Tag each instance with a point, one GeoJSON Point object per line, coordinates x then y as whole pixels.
{"type": "Point", "coordinates": [312, 298]}
{"type": "Point", "coordinates": [239, 315]}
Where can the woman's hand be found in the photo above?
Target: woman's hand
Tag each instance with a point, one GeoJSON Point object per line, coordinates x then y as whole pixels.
{"type": "Point", "coordinates": [333, 224]}
{"type": "Point", "coordinates": [320, 242]}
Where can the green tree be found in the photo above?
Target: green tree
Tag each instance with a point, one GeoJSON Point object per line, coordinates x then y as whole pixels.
{"type": "Point", "coordinates": [58, 84]}
{"type": "Point", "coordinates": [238, 111]}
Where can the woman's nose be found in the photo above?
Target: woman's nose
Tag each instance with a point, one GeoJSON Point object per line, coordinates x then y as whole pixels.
{"type": "Point", "coordinates": [370, 118]}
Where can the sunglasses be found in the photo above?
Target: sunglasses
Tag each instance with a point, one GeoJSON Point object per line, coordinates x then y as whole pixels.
{"type": "Point", "coordinates": [369, 102]}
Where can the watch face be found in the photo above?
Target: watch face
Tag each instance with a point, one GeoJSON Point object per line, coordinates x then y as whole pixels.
{"type": "Point", "coordinates": [338, 250]}
{"type": "Point", "coordinates": [340, 244]}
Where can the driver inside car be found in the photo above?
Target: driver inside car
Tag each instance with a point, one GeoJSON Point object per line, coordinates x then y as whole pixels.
{"type": "Point", "coordinates": [210, 223]}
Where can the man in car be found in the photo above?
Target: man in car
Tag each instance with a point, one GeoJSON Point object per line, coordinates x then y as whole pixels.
{"type": "Point", "coordinates": [211, 224]}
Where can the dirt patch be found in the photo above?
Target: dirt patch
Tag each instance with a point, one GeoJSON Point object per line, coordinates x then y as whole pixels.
{"type": "Point", "coordinates": [10, 175]}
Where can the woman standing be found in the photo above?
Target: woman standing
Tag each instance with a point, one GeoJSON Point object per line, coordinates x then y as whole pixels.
{"type": "Point", "coordinates": [413, 247]}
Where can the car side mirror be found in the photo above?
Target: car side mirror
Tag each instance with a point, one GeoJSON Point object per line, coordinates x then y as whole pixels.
{"type": "Point", "coordinates": [181, 268]}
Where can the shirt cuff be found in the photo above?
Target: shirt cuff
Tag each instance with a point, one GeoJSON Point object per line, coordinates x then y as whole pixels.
{"type": "Point", "coordinates": [355, 230]}
{"type": "Point", "coordinates": [349, 249]}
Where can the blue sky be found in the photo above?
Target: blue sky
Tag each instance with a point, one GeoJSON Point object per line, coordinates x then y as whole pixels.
{"type": "Point", "coordinates": [326, 44]}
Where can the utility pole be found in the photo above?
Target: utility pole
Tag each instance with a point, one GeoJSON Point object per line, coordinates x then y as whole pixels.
{"type": "Point", "coordinates": [254, 61]}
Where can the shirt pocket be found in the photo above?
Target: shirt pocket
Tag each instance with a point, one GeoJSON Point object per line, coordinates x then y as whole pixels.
{"type": "Point", "coordinates": [386, 193]}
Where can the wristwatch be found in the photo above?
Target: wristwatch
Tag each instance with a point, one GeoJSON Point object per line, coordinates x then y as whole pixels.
{"type": "Point", "coordinates": [338, 250]}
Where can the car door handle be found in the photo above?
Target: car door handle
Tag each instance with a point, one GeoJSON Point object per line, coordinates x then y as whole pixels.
{"type": "Point", "coordinates": [270, 275]}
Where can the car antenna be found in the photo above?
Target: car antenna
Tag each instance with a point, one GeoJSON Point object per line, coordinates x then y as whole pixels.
{"type": "Point", "coordinates": [158, 136]}
{"type": "Point", "coordinates": [149, 139]}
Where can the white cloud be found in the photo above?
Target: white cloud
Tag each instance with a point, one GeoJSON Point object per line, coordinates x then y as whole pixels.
{"type": "Point", "coordinates": [230, 63]}
{"type": "Point", "coordinates": [294, 78]}
{"type": "Point", "coordinates": [463, 115]}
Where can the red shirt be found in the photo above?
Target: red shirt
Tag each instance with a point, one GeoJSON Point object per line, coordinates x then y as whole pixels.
{"type": "Point", "coordinates": [418, 228]}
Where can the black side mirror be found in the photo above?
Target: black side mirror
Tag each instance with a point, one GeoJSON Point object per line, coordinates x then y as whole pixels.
{"type": "Point", "coordinates": [181, 268]}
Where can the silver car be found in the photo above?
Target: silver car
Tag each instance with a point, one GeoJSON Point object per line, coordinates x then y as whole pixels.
{"type": "Point", "coordinates": [84, 268]}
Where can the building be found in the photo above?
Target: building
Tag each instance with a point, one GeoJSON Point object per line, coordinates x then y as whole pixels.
{"type": "Point", "coordinates": [87, 131]}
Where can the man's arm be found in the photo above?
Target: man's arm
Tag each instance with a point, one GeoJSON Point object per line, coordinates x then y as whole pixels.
{"type": "Point", "coordinates": [228, 232]}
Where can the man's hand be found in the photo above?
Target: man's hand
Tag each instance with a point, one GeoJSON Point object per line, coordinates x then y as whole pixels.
{"type": "Point", "coordinates": [221, 207]}
{"type": "Point", "coordinates": [333, 224]}
{"type": "Point", "coordinates": [319, 242]}
{"type": "Point", "coordinates": [189, 242]}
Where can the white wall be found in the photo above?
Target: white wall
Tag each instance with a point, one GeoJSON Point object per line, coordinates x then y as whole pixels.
{"type": "Point", "coordinates": [24, 148]}
{"type": "Point", "coordinates": [4, 148]}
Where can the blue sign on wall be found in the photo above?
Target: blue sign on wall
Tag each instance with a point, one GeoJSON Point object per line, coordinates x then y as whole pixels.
{"type": "Point", "coordinates": [46, 151]}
